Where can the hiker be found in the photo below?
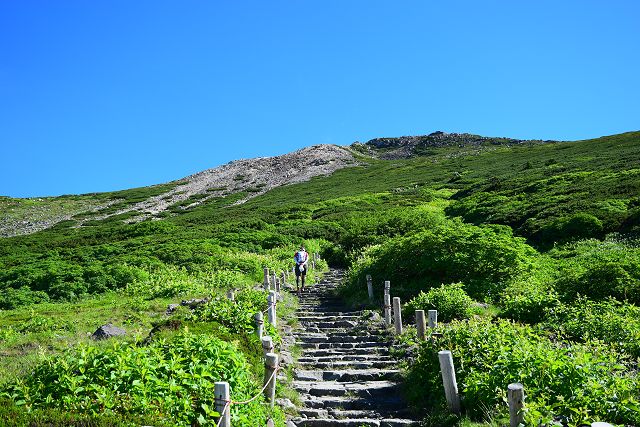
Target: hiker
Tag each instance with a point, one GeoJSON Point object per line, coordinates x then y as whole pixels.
{"type": "Point", "coordinates": [301, 257]}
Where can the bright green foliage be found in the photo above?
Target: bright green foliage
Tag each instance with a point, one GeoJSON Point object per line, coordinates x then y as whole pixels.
{"type": "Point", "coordinates": [583, 383]}
{"type": "Point", "coordinates": [599, 270]}
{"type": "Point", "coordinates": [451, 301]}
{"type": "Point", "coordinates": [609, 321]}
{"type": "Point", "coordinates": [483, 258]}
{"type": "Point", "coordinates": [171, 380]}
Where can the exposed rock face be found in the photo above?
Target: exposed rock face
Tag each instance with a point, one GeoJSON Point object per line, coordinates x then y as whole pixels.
{"type": "Point", "coordinates": [107, 331]}
{"type": "Point", "coordinates": [257, 176]}
{"type": "Point", "coordinates": [407, 146]}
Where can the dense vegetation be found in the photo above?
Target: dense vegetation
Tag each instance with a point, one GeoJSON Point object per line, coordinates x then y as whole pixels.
{"type": "Point", "coordinates": [544, 236]}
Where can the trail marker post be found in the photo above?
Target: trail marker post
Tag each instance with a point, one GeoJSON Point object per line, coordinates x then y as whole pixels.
{"type": "Point", "coordinates": [271, 311]}
{"type": "Point", "coordinates": [433, 318]}
{"type": "Point", "coordinates": [267, 344]}
{"type": "Point", "coordinates": [387, 302]}
{"type": "Point", "coordinates": [259, 319]}
{"type": "Point", "coordinates": [515, 396]}
{"type": "Point", "coordinates": [397, 315]}
{"type": "Point", "coordinates": [370, 287]}
{"type": "Point", "coordinates": [421, 325]}
{"type": "Point", "coordinates": [222, 403]}
{"type": "Point", "coordinates": [449, 380]}
{"type": "Point", "coordinates": [270, 366]}
{"type": "Point", "coordinates": [265, 282]}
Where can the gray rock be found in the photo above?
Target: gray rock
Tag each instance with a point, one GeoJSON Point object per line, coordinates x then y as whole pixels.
{"type": "Point", "coordinates": [108, 331]}
{"type": "Point", "coordinates": [285, 403]}
{"type": "Point", "coordinates": [171, 308]}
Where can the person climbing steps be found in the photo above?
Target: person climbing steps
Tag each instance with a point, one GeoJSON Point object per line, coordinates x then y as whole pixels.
{"type": "Point", "coordinates": [301, 257]}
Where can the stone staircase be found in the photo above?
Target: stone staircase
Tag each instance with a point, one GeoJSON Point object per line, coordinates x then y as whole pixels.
{"type": "Point", "coordinates": [345, 375]}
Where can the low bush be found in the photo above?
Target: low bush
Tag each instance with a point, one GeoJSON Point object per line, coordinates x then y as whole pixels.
{"type": "Point", "coordinates": [451, 301]}
{"type": "Point", "coordinates": [580, 383]}
{"type": "Point", "coordinates": [169, 380]}
{"type": "Point", "coordinates": [609, 321]}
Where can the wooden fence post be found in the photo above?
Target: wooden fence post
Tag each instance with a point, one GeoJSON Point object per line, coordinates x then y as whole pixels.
{"type": "Point", "coordinates": [313, 264]}
{"type": "Point", "coordinates": [515, 396]}
{"type": "Point", "coordinates": [222, 397]}
{"type": "Point", "coordinates": [284, 278]}
{"type": "Point", "coordinates": [387, 302]}
{"type": "Point", "coordinates": [265, 283]}
{"type": "Point", "coordinates": [397, 315]}
{"type": "Point", "coordinates": [267, 344]}
{"type": "Point", "coordinates": [270, 365]}
{"type": "Point", "coordinates": [273, 279]}
{"type": "Point", "coordinates": [449, 381]}
{"type": "Point", "coordinates": [271, 313]}
{"type": "Point", "coordinates": [433, 318]}
{"type": "Point", "coordinates": [421, 325]}
{"type": "Point", "coordinates": [370, 287]}
{"type": "Point", "coordinates": [278, 286]}
{"type": "Point", "coordinates": [259, 318]}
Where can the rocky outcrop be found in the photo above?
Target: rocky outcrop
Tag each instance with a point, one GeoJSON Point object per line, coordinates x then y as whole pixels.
{"type": "Point", "coordinates": [108, 331]}
{"type": "Point", "coordinates": [408, 146]}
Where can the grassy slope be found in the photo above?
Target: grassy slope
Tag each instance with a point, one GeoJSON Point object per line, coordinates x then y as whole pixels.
{"type": "Point", "coordinates": [515, 186]}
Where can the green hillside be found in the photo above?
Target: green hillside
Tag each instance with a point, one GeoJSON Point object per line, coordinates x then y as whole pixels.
{"type": "Point", "coordinates": [517, 244]}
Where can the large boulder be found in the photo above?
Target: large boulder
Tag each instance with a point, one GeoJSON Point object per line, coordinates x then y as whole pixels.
{"type": "Point", "coordinates": [108, 331]}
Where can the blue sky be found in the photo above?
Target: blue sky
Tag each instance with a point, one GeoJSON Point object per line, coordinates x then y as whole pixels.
{"type": "Point", "coordinates": [99, 96]}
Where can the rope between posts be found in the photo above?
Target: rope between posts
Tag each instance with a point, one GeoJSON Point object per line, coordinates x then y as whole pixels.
{"type": "Point", "coordinates": [269, 306]}
{"type": "Point", "coordinates": [261, 391]}
{"type": "Point", "coordinates": [228, 403]}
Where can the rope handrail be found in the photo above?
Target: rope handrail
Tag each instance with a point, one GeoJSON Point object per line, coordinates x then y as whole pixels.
{"type": "Point", "coordinates": [228, 403]}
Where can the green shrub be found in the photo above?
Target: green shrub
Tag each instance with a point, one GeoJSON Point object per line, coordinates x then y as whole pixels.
{"type": "Point", "coordinates": [609, 321]}
{"type": "Point", "coordinates": [582, 383]}
{"type": "Point", "coordinates": [171, 380]}
{"type": "Point", "coordinates": [451, 301]}
{"type": "Point", "coordinates": [483, 258]}
{"type": "Point", "coordinates": [574, 227]}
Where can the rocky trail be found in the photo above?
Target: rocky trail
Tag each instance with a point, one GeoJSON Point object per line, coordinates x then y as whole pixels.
{"type": "Point", "coordinates": [345, 375]}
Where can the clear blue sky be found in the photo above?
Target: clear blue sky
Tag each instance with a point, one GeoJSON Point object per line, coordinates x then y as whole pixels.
{"type": "Point", "coordinates": [106, 95]}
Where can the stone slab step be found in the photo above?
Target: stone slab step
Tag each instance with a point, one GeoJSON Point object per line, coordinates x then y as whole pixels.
{"type": "Point", "coordinates": [344, 345]}
{"type": "Point", "coordinates": [322, 338]}
{"type": "Point", "coordinates": [345, 351]}
{"type": "Point", "coordinates": [346, 358]}
{"type": "Point", "coordinates": [334, 388]}
{"type": "Point", "coordinates": [347, 375]}
{"type": "Point", "coordinates": [380, 364]}
{"type": "Point", "coordinates": [353, 422]}
{"type": "Point", "coordinates": [349, 403]}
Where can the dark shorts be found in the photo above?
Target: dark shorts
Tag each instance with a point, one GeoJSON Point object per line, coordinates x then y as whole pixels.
{"type": "Point", "coordinates": [300, 273]}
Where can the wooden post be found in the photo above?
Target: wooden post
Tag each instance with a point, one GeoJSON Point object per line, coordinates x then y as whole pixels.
{"type": "Point", "coordinates": [387, 309]}
{"type": "Point", "coordinates": [449, 380]}
{"type": "Point", "coordinates": [222, 397]}
{"type": "Point", "coordinates": [259, 318]}
{"type": "Point", "coordinates": [277, 285]}
{"type": "Point", "coordinates": [270, 365]}
{"type": "Point", "coordinates": [313, 264]}
{"type": "Point", "coordinates": [271, 313]}
{"type": "Point", "coordinates": [267, 345]}
{"type": "Point", "coordinates": [421, 325]}
{"type": "Point", "coordinates": [273, 279]}
{"type": "Point", "coordinates": [284, 278]}
{"type": "Point", "coordinates": [387, 302]}
{"type": "Point", "coordinates": [515, 396]}
{"type": "Point", "coordinates": [433, 318]}
{"type": "Point", "coordinates": [266, 283]}
{"type": "Point", "coordinates": [370, 287]}
{"type": "Point", "coordinates": [231, 296]}
{"type": "Point", "coordinates": [397, 315]}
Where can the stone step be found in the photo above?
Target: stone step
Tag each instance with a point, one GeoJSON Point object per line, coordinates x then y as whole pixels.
{"type": "Point", "coordinates": [384, 404]}
{"type": "Point", "coordinates": [345, 345]}
{"type": "Point", "coordinates": [328, 313]}
{"type": "Point", "coordinates": [381, 364]}
{"type": "Point", "coordinates": [346, 358]}
{"type": "Point", "coordinates": [353, 422]}
{"type": "Point", "coordinates": [327, 318]}
{"type": "Point", "coordinates": [326, 324]}
{"type": "Point", "coordinates": [347, 375]}
{"type": "Point", "coordinates": [326, 338]}
{"type": "Point", "coordinates": [369, 389]}
{"type": "Point", "coordinates": [345, 351]}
